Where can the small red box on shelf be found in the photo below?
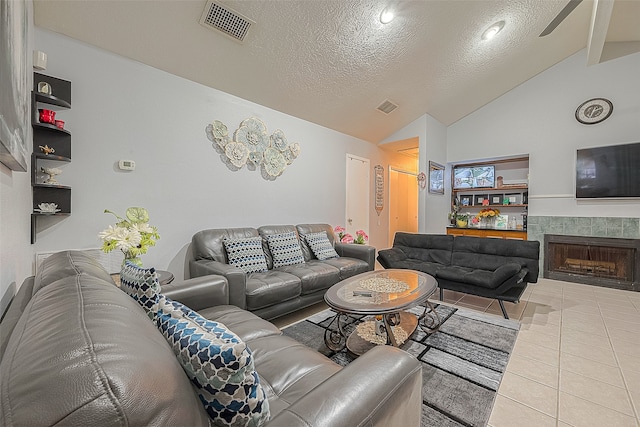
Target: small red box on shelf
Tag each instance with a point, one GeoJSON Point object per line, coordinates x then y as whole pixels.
{"type": "Point", "coordinates": [47, 116]}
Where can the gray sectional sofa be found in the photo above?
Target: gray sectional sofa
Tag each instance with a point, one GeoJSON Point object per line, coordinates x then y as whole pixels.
{"type": "Point", "coordinates": [492, 268]}
{"type": "Point", "coordinates": [280, 290]}
{"type": "Point", "coordinates": [77, 351]}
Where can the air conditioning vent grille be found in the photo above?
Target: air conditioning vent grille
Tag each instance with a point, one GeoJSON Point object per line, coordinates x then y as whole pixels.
{"type": "Point", "coordinates": [387, 106]}
{"type": "Point", "coordinates": [222, 18]}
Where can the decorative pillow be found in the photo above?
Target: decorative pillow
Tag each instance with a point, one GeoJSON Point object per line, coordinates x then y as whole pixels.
{"type": "Point", "coordinates": [285, 249]}
{"type": "Point", "coordinates": [246, 254]}
{"type": "Point", "coordinates": [217, 362]}
{"type": "Point", "coordinates": [320, 245]}
{"type": "Point", "coordinates": [142, 285]}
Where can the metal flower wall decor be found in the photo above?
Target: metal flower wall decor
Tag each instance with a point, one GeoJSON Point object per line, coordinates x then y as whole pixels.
{"type": "Point", "coordinates": [251, 145]}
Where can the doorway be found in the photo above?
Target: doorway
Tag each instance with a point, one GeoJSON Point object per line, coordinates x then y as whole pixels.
{"type": "Point", "coordinates": [358, 185]}
{"type": "Point", "coordinates": [403, 202]}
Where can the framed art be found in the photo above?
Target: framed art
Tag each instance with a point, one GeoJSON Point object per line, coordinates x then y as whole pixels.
{"type": "Point", "coordinates": [14, 93]}
{"type": "Point", "coordinates": [436, 178]}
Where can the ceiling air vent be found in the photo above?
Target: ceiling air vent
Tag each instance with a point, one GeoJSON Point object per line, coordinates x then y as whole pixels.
{"type": "Point", "coordinates": [387, 107]}
{"type": "Point", "coordinates": [219, 17]}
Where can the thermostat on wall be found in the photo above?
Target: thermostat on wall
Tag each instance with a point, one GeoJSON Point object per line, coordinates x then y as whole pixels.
{"type": "Point", "coordinates": [127, 165]}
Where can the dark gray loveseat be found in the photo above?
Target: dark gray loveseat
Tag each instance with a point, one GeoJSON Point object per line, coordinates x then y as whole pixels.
{"type": "Point", "coordinates": [77, 351]}
{"type": "Point", "coordinates": [279, 290]}
{"type": "Point", "coordinates": [492, 268]}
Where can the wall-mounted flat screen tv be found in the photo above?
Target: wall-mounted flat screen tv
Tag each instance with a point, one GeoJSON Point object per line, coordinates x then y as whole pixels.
{"type": "Point", "coordinates": [612, 171]}
{"type": "Point", "coordinates": [473, 177]}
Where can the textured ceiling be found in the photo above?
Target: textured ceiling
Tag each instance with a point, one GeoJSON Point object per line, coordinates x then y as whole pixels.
{"type": "Point", "coordinates": [332, 62]}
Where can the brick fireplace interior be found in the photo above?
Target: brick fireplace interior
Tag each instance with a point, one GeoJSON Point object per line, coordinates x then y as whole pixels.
{"type": "Point", "coordinates": [600, 261]}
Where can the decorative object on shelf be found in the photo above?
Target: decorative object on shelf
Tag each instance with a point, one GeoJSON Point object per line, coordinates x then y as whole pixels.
{"type": "Point", "coordinates": [485, 202]}
{"type": "Point", "coordinates": [462, 220]}
{"type": "Point", "coordinates": [47, 208]}
{"type": "Point", "coordinates": [422, 180]}
{"type": "Point", "coordinates": [47, 116]}
{"type": "Point", "coordinates": [52, 172]}
{"type": "Point", "coordinates": [39, 60]}
{"type": "Point", "coordinates": [487, 216]}
{"type": "Point", "coordinates": [44, 88]}
{"type": "Point", "coordinates": [133, 235]}
{"type": "Point", "coordinates": [436, 178]}
{"type": "Point", "coordinates": [465, 200]}
{"type": "Point", "coordinates": [379, 180]}
{"type": "Point", "coordinates": [252, 146]}
{"type": "Point", "coordinates": [501, 222]}
{"type": "Point", "coordinates": [59, 124]}
{"type": "Point", "coordinates": [594, 111]}
{"type": "Point", "coordinates": [499, 181]}
{"type": "Point", "coordinates": [46, 149]}
{"type": "Point", "coordinates": [505, 201]}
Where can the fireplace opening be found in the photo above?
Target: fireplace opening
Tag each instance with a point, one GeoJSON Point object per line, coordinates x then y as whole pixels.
{"type": "Point", "coordinates": [592, 260]}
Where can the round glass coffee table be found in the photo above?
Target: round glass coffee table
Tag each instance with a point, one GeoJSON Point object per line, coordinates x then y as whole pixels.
{"type": "Point", "coordinates": [385, 295]}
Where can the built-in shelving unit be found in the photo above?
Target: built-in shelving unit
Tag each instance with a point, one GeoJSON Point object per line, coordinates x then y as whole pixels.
{"type": "Point", "coordinates": [510, 195]}
{"type": "Point", "coordinates": [46, 134]}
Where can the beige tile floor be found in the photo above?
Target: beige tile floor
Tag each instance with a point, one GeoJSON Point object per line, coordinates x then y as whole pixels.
{"type": "Point", "coordinates": [576, 361]}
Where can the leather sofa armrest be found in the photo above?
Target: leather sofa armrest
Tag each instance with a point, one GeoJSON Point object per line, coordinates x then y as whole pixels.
{"type": "Point", "coordinates": [387, 257]}
{"type": "Point", "coordinates": [383, 387]}
{"type": "Point", "coordinates": [199, 293]}
{"type": "Point", "coordinates": [364, 252]}
{"type": "Point", "coordinates": [236, 278]}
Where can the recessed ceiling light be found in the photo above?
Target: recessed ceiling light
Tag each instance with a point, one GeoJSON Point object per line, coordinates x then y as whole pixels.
{"type": "Point", "coordinates": [386, 16]}
{"type": "Point", "coordinates": [491, 32]}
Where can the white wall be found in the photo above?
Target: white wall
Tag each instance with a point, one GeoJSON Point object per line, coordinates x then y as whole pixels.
{"type": "Point", "coordinates": [537, 118]}
{"type": "Point", "coordinates": [122, 109]}
{"type": "Point", "coordinates": [432, 136]}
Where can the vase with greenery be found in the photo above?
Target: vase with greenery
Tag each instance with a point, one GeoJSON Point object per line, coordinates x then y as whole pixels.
{"type": "Point", "coordinates": [132, 235]}
{"type": "Point", "coordinates": [487, 217]}
{"type": "Point", "coordinates": [462, 220]}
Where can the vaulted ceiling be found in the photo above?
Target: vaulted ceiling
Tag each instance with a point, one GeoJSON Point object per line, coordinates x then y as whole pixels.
{"type": "Point", "coordinates": [332, 62]}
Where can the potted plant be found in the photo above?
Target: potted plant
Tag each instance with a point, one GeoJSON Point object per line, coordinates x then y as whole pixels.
{"type": "Point", "coordinates": [462, 220]}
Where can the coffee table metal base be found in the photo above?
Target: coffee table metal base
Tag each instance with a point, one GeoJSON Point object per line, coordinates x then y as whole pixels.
{"type": "Point", "coordinates": [336, 339]}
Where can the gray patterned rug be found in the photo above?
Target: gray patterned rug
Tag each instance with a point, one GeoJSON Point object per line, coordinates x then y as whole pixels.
{"type": "Point", "coordinates": [462, 363]}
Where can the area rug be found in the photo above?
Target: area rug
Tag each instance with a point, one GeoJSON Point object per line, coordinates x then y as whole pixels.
{"type": "Point", "coordinates": [462, 362]}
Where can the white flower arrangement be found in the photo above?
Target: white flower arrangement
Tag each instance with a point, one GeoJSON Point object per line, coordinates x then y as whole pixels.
{"type": "Point", "coordinates": [133, 235]}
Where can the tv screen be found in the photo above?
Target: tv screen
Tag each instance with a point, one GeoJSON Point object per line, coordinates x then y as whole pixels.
{"type": "Point", "coordinates": [473, 177]}
{"type": "Point", "coordinates": [612, 171]}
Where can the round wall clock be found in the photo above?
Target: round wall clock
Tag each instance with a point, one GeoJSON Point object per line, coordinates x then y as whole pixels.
{"type": "Point", "coordinates": [594, 111]}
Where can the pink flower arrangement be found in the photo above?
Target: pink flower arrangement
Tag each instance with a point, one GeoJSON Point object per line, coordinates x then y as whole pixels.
{"type": "Point", "coordinates": [361, 237]}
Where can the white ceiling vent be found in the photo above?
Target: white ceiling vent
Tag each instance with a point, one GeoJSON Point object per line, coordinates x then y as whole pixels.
{"type": "Point", "coordinates": [222, 18]}
{"type": "Point", "coordinates": [387, 107]}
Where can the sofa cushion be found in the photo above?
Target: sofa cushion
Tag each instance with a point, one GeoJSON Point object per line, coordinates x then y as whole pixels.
{"type": "Point", "coordinates": [208, 244]}
{"type": "Point", "coordinates": [314, 275]}
{"type": "Point", "coordinates": [142, 285]}
{"type": "Point", "coordinates": [425, 247]}
{"type": "Point", "coordinates": [217, 362]}
{"type": "Point", "coordinates": [347, 266]}
{"type": "Point", "coordinates": [320, 245]}
{"type": "Point", "coordinates": [303, 229]}
{"type": "Point", "coordinates": [272, 287]}
{"type": "Point", "coordinates": [246, 254]}
{"type": "Point", "coordinates": [285, 249]}
{"type": "Point", "coordinates": [479, 277]}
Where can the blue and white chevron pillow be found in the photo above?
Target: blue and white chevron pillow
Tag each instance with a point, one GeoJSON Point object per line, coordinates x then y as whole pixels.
{"type": "Point", "coordinates": [142, 285]}
{"type": "Point", "coordinates": [285, 249]}
{"type": "Point", "coordinates": [246, 254]}
{"type": "Point", "coordinates": [217, 362]}
{"type": "Point", "coordinates": [320, 245]}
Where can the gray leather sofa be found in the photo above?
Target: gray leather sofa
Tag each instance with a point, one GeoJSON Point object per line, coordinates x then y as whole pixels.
{"type": "Point", "coordinates": [77, 351]}
{"type": "Point", "coordinates": [491, 268]}
{"type": "Point", "coordinates": [280, 290]}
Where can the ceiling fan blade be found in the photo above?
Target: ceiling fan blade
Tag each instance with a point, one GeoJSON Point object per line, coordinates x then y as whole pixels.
{"type": "Point", "coordinates": [561, 16]}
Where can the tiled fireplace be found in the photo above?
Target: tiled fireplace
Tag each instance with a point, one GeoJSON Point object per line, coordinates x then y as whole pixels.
{"type": "Point", "coordinates": [602, 251]}
{"type": "Point", "coordinates": [602, 261]}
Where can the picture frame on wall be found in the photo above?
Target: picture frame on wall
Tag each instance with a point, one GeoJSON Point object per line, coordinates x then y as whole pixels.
{"type": "Point", "coordinates": [436, 178]}
{"type": "Point", "coordinates": [14, 93]}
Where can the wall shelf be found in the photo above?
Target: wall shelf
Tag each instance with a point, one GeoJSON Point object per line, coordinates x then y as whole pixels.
{"type": "Point", "coordinates": [46, 134]}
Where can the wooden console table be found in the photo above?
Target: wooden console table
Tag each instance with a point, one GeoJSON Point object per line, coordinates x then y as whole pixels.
{"type": "Point", "coordinates": [488, 232]}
